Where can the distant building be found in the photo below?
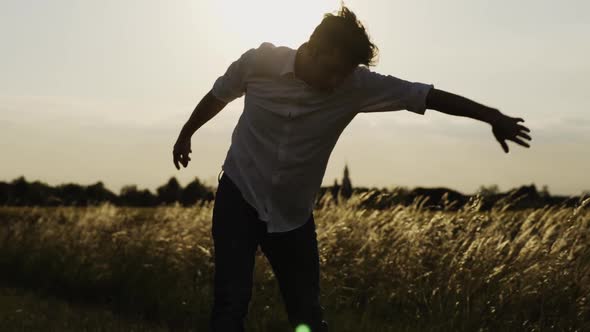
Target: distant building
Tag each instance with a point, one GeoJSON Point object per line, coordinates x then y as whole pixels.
{"type": "Point", "coordinates": [346, 189]}
{"type": "Point", "coordinates": [335, 190]}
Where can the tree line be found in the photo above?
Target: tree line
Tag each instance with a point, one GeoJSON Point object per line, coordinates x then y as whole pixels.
{"type": "Point", "coordinates": [21, 192]}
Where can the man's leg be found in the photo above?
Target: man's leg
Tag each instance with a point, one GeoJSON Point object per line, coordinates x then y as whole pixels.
{"type": "Point", "coordinates": [295, 261]}
{"type": "Point", "coordinates": [236, 233]}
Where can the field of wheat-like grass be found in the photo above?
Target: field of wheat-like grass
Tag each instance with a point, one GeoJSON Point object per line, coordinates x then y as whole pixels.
{"type": "Point", "coordinates": [402, 269]}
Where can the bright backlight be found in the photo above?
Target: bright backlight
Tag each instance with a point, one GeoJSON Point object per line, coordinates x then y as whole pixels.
{"type": "Point", "coordinates": [287, 23]}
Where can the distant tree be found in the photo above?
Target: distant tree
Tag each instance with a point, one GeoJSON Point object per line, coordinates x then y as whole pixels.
{"type": "Point", "coordinates": [131, 196]}
{"type": "Point", "coordinates": [127, 193]}
{"type": "Point", "coordinates": [489, 190]}
{"type": "Point", "coordinates": [39, 193]}
{"type": "Point", "coordinates": [195, 191]}
{"type": "Point", "coordinates": [544, 191]}
{"type": "Point", "coordinates": [72, 194]}
{"type": "Point", "coordinates": [5, 193]}
{"type": "Point", "coordinates": [20, 191]}
{"type": "Point", "coordinates": [97, 193]}
{"type": "Point", "coordinates": [346, 189]}
{"type": "Point", "coordinates": [170, 192]}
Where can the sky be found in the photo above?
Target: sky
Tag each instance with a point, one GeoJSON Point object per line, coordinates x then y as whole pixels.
{"type": "Point", "coordinates": [99, 90]}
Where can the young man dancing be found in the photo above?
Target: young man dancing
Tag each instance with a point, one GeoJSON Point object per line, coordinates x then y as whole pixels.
{"type": "Point", "coordinates": [297, 103]}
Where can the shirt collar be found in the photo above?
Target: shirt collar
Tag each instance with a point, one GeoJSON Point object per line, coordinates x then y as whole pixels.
{"type": "Point", "coordinates": [289, 67]}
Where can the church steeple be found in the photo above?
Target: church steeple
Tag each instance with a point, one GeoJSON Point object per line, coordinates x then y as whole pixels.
{"type": "Point", "coordinates": [346, 189]}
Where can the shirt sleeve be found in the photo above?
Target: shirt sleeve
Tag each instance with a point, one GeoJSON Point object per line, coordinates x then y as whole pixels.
{"type": "Point", "coordinates": [382, 93]}
{"type": "Point", "coordinates": [232, 84]}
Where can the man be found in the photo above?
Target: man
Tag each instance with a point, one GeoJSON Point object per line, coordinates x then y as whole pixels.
{"type": "Point", "coordinates": [297, 103]}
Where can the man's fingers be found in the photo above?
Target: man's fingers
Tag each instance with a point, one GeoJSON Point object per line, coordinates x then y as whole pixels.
{"type": "Point", "coordinates": [519, 120]}
{"type": "Point", "coordinates": [181, 158]}
{"type": "Point", "coordinates": [504, 145]}
{"type": "Point", "coordinates": [519, 141]}
{"type": "Point", "coordinates": [185, 159]}
{"type": "Point", "coordinates": [521, 127]}
{"type": "Point", "coordinates": [524, 135]}
{"type": "Point", "coordinates": [175, 158]}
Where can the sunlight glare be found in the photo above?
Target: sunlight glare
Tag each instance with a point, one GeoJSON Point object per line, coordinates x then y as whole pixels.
{"type": "Point", "coordinates": [302, 328]}
{"type": "Point", "coordinates": [283, 23]}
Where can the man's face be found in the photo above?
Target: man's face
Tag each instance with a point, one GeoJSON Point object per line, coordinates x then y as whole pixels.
{"type": "Point", "coordinates": [328, 70]}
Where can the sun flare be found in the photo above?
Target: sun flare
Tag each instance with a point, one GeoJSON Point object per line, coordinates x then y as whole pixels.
{"type": "Point", "coordinates": [287, 23]}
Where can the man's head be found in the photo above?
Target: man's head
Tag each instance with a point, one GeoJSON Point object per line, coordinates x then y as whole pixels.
{"type": "Point", "coordinates": [336, 47]}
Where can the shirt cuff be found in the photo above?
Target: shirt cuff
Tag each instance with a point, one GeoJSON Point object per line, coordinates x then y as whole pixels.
{"type": "Point", "coordinates": [417, 102]}
{"type": "Point", "coordinates": [220, 92]}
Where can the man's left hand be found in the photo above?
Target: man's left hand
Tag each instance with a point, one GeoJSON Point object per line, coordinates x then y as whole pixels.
{"type": "Point", "coordinates": [507, 128]}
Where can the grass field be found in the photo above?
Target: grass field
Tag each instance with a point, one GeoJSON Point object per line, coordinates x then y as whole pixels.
{"type": "Point", "coordinates": [25, 310]}
{"type": "Point", "coordinates": [403, 269]}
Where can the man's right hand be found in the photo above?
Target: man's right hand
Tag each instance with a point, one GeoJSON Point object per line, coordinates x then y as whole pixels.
{"type": "Point", "coordinates": [205, 110]}
{"type": "Point", "coordinates": [180, 152]}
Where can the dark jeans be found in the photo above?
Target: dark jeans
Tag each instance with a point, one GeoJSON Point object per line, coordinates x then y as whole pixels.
{"type": "Point", "coordinates": [293, 256]}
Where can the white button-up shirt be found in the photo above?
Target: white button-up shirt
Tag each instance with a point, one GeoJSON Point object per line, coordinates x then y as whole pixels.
{"type": "Point", "coordinates": [284, 137]}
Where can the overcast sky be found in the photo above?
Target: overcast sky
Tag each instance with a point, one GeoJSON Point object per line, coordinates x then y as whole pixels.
{"type": "Point", "coordinates": [98, 90]}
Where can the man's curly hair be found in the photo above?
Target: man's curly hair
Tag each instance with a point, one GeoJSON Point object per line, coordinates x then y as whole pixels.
{"type": "Point", "coordinates": [346, 33]}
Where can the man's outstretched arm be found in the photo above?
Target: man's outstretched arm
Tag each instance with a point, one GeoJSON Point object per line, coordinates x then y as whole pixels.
{"type": "Point", "coordinates": [503, 127]}
{"type": "Point", "coordinates": [207, 108]}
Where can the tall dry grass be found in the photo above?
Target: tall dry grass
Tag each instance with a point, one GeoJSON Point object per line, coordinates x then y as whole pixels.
{"type": "Point", "coordinates": [403, 269]}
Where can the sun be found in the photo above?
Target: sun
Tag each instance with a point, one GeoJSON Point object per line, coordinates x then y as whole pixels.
{"type": "Point", "coordinates": [283, 23]}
